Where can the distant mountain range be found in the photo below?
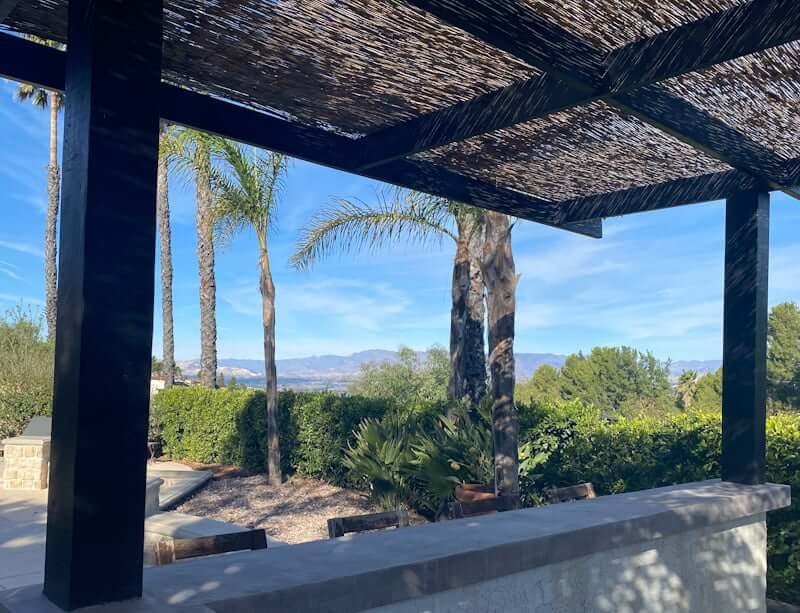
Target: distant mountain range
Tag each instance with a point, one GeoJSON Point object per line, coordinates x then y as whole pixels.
{"type": "Point", "coordinates": [337, 371]}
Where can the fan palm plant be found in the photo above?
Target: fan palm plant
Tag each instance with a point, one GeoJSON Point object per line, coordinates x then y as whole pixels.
{"type": "Point", "coordinates": [52, 100]}
{"type": "Point", "coordinates": [403, 215]}
{"type": "Point", "coordinates": [192, 152]}
{"type": "Point", "coordinates": [247, 189]}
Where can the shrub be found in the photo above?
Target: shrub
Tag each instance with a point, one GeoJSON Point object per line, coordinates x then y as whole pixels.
{"type": "Point", "coordinates": [228, 426]}
{"type": "Point", "coordinates": [325, 425]}
{"type": "Point", "coordinates": [222, 426]}
{"type": "Point", "coordinates": [575, 445]}
{"type": "Point", "coordinates": [26, 372]}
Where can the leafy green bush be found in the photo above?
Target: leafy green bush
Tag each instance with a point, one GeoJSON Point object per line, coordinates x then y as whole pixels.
{"type": "Point", "coordinates": [228, 426]}
{"type": "Point", "coordinates": [326, 425]}
{"type": "Point", "coordinates": [416, 459]}
{"type": "Point", "coordinates": [222, 426]}
{"type": "Point", "coordinates": [574, 444]}
{"type": "Point", "coordinates": [26, 372]}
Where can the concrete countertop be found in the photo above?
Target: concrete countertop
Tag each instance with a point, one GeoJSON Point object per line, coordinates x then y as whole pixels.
{"type": "Point", "coordinates": [363, 571]}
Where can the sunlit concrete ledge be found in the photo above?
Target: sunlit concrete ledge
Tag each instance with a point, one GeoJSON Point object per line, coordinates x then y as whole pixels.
{"type": "Point", "coordinates": [680, 548]}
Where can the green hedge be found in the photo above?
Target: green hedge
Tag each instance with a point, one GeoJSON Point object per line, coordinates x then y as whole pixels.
{"type": "Point", "coordinates": [647, 452]}
{"type": "Point", "coordinates": [228, 426]}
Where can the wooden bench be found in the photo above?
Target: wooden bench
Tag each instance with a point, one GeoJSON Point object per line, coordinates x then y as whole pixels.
{"type": "Point", "coordinates": [169, 550]}
{"type": "Point", "coordinates": [582, 491]}
{"type": "Point", "coordinates": [339, 526]}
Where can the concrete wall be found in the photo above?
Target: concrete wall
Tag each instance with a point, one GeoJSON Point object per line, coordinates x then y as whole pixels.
{"type": "Point", "coordinates": [717, 569]}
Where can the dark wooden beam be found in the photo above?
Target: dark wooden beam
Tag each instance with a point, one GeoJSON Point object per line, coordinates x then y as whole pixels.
{"type": "Point", "coordinates": [26, 61]}
{"type": "Point", "coordinates": [95, 511]}
{"type": "Point", "coordinates": [703, 188]}
{"type": "Point", "coordinates": [693, 190]}
{"type": "Point", "coordinates": [518, 103]}
{"type": "Point", "coordinates": [656, 106]}
{"type": "Point", "coordinates": [521, 31]}
{"type": "Point", "coordinates": [747, 28]}
{"type": "Point", "coordinates": [329, 149]}
{"type": "Point", "coordinates": [742, 30]}
{"type": "Point", "coordinates": [6, 6]}
{"type": "Point", "coordinates": [744, 352]}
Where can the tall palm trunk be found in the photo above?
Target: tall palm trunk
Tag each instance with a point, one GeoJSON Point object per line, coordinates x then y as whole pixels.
{"type": "Point", "coordinates": [501, 284]}
{"type": "Point", "coordinates": [467, 357]}
{"type": "Point", "coordinates": [50, 248]}
{"type": "Point", "coordinates": [267, 288]}
{"type": "Point", "coordinates": [165, 235]}
{"type": "Point", "coordinates": [205, 260]}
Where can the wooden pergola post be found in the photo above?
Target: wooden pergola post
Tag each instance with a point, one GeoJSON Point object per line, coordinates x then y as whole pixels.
{"type": "Point", "coordinates": [95, 518]}
{"type": "Point", "coordinates": [744, 360]}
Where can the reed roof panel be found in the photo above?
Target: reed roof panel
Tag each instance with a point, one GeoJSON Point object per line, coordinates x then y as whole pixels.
{"type": "Point", "coordinates": [358, 66]}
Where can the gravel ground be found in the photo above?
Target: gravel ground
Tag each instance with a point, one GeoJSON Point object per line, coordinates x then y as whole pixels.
{"type": "Point", "coordinates": [294, 512]}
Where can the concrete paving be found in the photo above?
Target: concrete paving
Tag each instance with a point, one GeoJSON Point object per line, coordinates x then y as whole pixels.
{"type": "Point", "coordinates": [23, 523]}
{"type": "Point", "coordinates": [23, 517]}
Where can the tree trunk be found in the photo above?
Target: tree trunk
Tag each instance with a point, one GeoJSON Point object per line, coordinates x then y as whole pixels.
{"type": "Point", "coordinates": [50, 241]}
{"type": "Point", "coordinates": [267, 288]}
{"type": "Point", "coordinates": [165, 236]}
{"type": "Point", "coordinates": [467, 357]}
{"type": "Point", "coordinates": [501, 284]}
{"type": "Point", "coordinates": [205, 259]}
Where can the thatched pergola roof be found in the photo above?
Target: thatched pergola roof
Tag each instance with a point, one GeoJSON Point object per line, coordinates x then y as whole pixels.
{"type": "Point", "coordinates": [556, 111]}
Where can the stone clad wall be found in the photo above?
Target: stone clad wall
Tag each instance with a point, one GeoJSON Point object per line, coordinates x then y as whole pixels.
{"type": "Point", "coordinates": [26, 463]}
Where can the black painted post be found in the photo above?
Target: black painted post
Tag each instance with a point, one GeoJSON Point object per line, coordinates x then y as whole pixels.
{"type": "Point", "coordinates": [744, 355]}
{"type": "Point", "coordinates": [95, 507]}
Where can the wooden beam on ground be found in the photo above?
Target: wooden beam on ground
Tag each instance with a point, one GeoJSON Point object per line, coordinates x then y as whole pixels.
{"type": "Point", "coordinates": [525, 34]}
{"type": "Point", "coordinates": [744, 350]}
{"type": "Point", "coordinates": [26, 61]}
{"type": "Point", "coordinates": [95, 511]}
{"type": "Point", "coordinates": [742, 30]}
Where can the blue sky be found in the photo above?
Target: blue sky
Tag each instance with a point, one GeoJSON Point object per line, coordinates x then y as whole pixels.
{"type": "Point", "coordinates": [654, 282]}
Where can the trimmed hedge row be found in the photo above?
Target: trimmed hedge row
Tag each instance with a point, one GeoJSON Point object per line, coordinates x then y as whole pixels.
{"type": "Point", "coordinates": [228, 426]}
{"type": "Point", "coordinates": [646, 452]}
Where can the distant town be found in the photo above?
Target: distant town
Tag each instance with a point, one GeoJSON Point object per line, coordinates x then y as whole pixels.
{"type": "Point", "coordinates": [336, 372]}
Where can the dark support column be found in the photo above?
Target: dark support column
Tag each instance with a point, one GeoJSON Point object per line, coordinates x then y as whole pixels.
{"type": "Point", "coordinates": [105, 303]}
{"type": "Point", "coordinates": [744, 355]}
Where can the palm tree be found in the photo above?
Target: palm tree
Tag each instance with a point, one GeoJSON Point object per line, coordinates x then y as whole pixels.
{"type": "Point", "coordinates": [192, 154]}
{"type": "Point", "coordinates": [166, 150]}
{"type": "Point", "coordinates": [45, 99]}
{"type": "Point", "coordinates": [248, 191]}
{"type": "Point", "coordinates": [412, 216]}
{"type": "Point", "coordinates": [501, 283]}
{"type": "Point", "coordinates": [687, 388]}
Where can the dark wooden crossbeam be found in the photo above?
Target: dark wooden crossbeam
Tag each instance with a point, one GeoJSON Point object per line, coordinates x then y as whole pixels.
{"type": "Point", "coordinates": [703, 188]}
{"type": "Point", "coordinates": [29, 62]}
{"type": "Point", "coordinates": [520, 31]}
{"type": "Point", "coordinates": [745, 29]}
{"type": "Point", "coordinates": [6, 6]}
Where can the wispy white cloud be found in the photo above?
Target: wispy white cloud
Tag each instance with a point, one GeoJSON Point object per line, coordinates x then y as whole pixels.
{"type": "Point", "coordinates": [570, 259]}
{"type": "Point", "coordinates": [25, 300]}
{"type": "Point", "coordinates": [22, 247]}
{"type": "Point", "coordinates": [9, 272]}
{"type": "Point", "coordinates": [355, 304]}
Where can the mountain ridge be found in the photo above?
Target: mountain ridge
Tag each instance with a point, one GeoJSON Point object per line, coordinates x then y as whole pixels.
{"type": "Point", "coordinates": [335, 371]}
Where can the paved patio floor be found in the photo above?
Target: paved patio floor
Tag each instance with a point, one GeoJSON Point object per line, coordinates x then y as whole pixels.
{"type": "Point", "coordinates": [23, 517]}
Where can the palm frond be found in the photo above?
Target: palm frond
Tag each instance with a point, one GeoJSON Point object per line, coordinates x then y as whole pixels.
{"type": "Point", "coordinates": [248, 186]}
{"type": "Point", "coordinates": [353, 225]}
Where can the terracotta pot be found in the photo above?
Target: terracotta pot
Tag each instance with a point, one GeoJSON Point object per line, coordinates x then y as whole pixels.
{"type": "Point", "coordinates": [474, 492]}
